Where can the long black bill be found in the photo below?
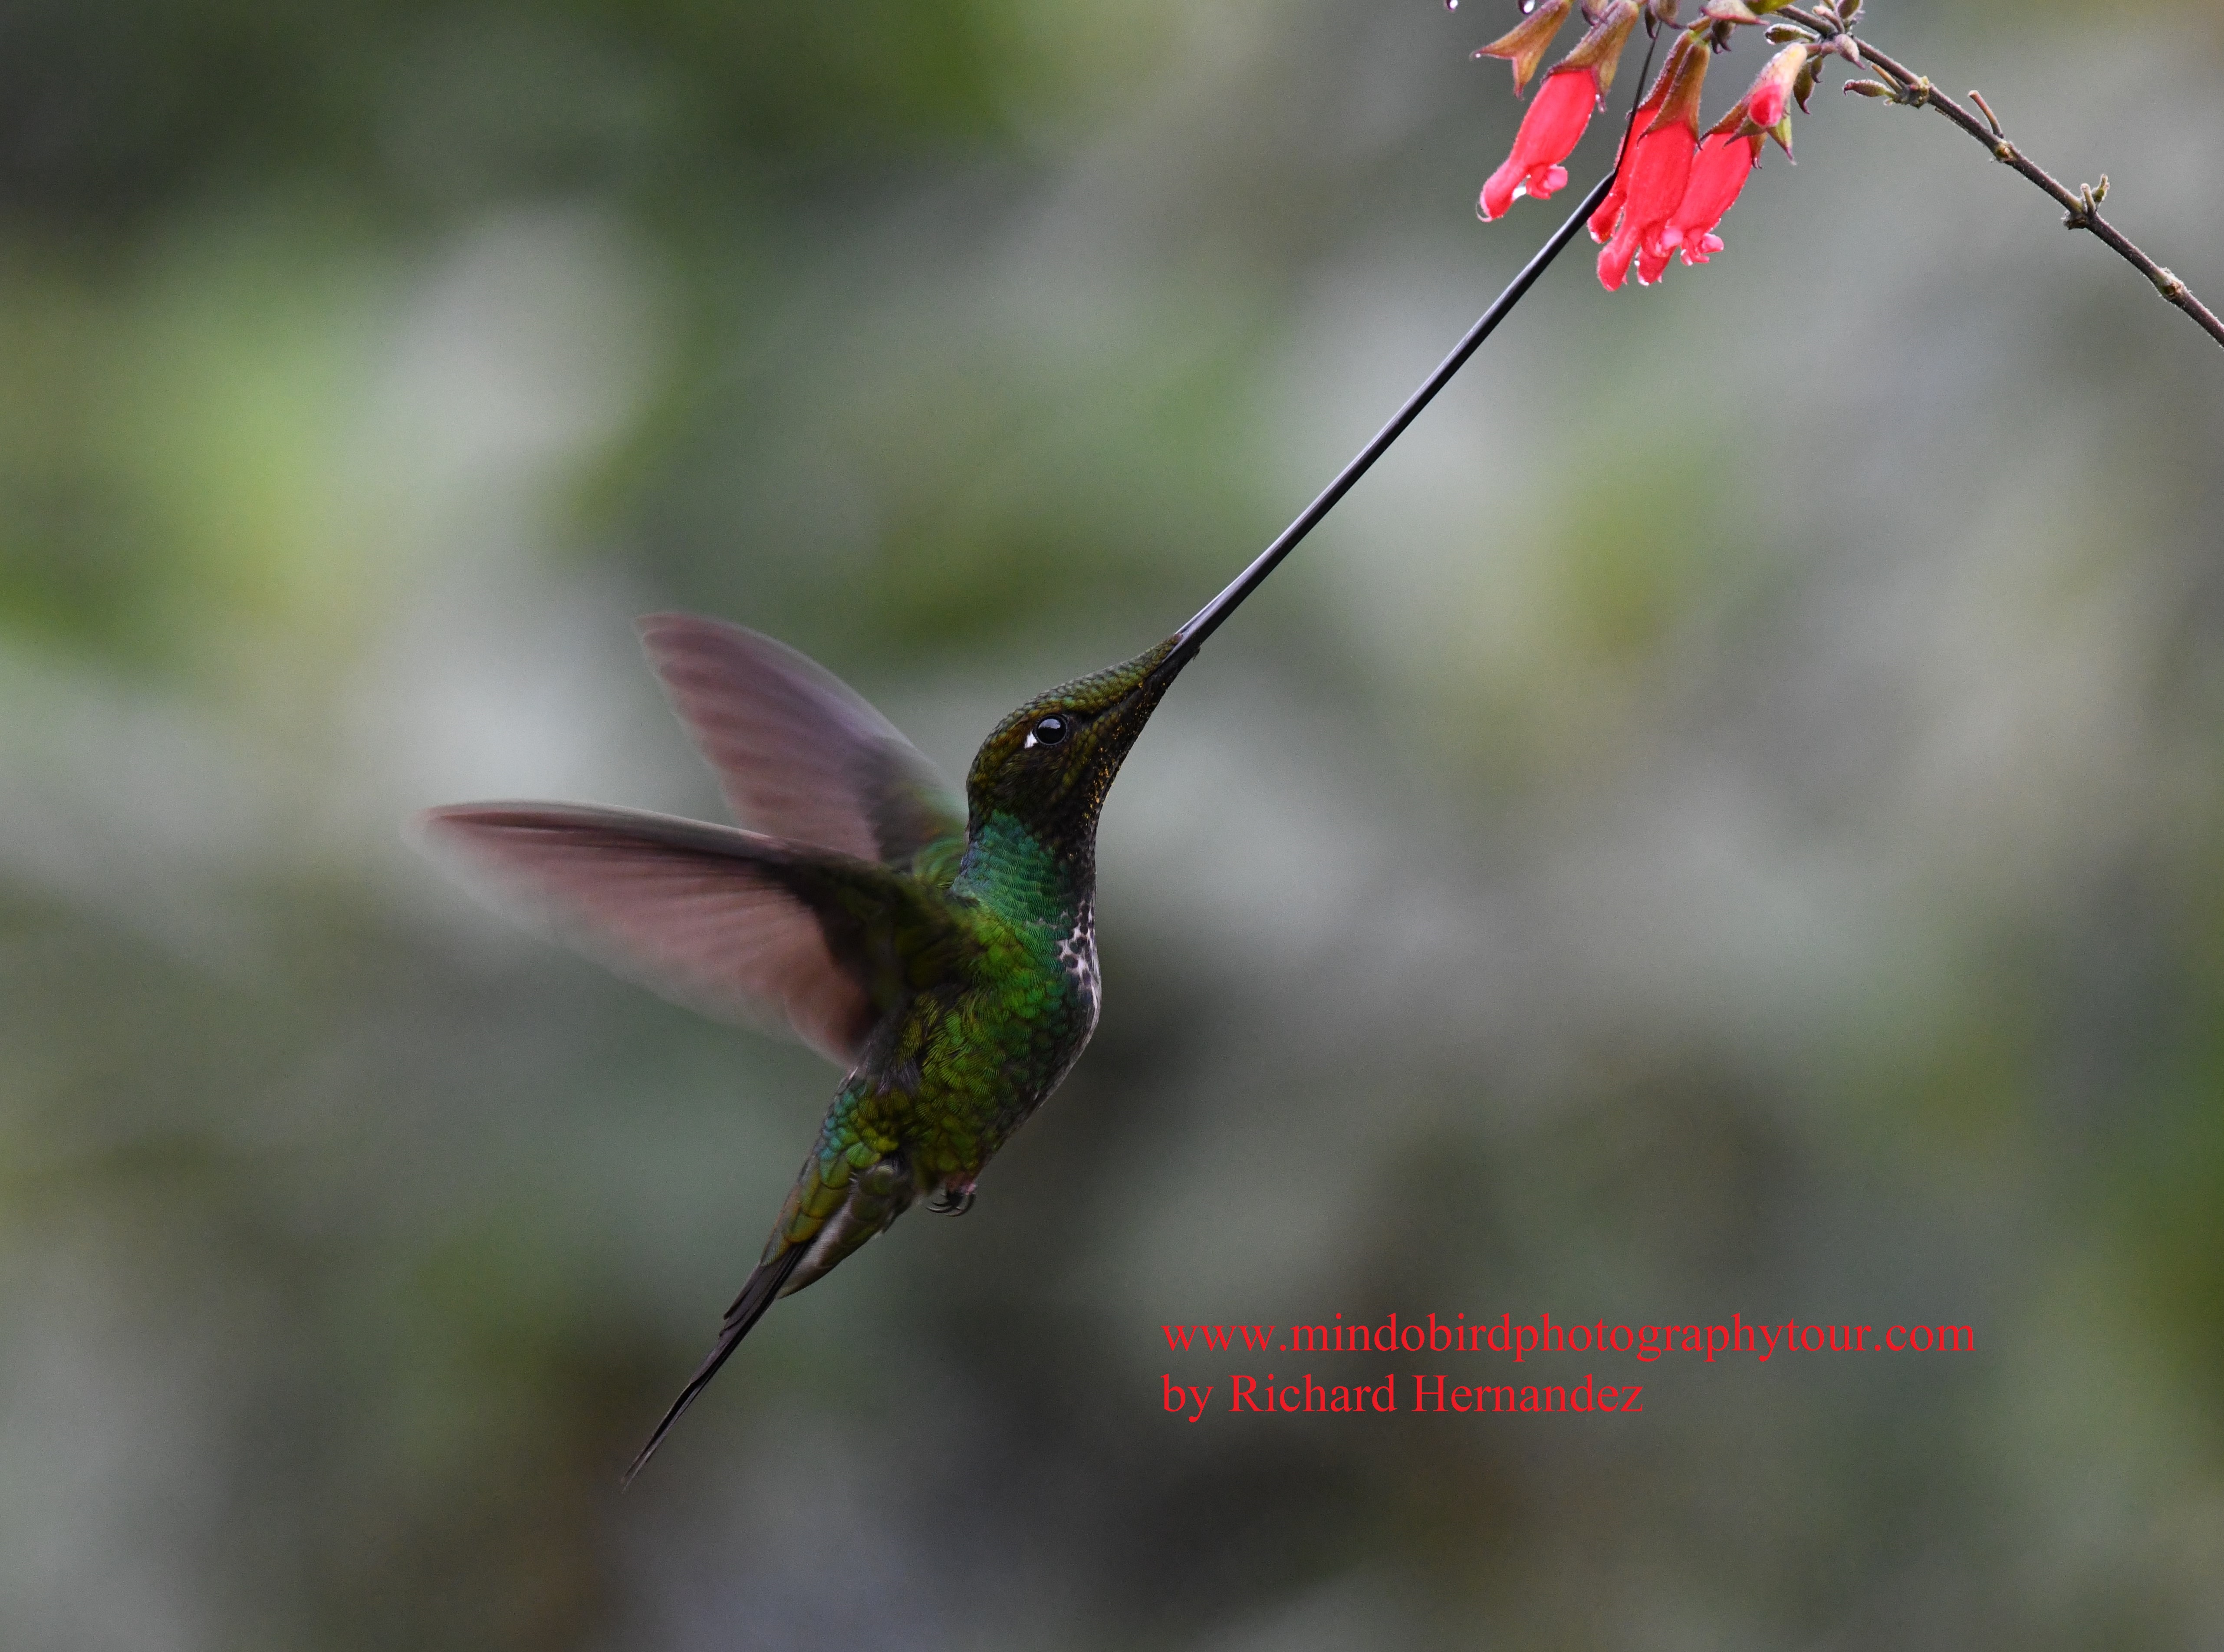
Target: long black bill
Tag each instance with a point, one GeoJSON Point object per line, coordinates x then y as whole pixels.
{"type": "Point", "coordinates": [1188, 640]}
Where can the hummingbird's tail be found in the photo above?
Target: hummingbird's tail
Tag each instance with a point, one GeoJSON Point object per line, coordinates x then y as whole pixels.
{"type": "Point", "coordinates": [748, 1308]}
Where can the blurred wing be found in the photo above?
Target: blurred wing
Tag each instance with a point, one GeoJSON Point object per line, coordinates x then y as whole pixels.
{"type": "Point", "coordinates": [798, 753]}
{"type": "Point", "coordinates": [735, 925]}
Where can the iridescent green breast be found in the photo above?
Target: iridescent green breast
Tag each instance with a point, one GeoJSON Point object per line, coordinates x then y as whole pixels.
{"type": "Point", "coordinates": [1038, 992]}
{"type": "Point", "coordinates": [970, 1057]}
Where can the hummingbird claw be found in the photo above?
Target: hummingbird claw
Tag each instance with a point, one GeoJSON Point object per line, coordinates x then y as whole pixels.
{"type": "Point", "coordinates": [951, 1200]}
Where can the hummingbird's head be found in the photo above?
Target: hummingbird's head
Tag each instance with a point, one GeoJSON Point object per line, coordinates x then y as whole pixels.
{"type": "Point", "coordinates": [1049, 764]}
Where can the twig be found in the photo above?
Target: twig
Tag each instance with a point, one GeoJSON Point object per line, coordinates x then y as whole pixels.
{"type": "Point", "coordinates": [2082, 207]}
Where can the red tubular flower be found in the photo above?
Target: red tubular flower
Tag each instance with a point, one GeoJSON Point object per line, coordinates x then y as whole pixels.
{"type": "Point", "coordinates": [1550, 132]}
{"type": "Point", "coordinates": [1556, 120]}
{"type": "Point", "coordinates": [1656, 170]}
{"type": "Point", "coordinates": [1724, 162]}
{"type": "Point", "coordinates": [1609, 211]}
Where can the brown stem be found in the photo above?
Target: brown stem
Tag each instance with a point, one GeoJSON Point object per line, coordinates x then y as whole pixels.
{"type": "Point", "coordinates": [2081, 207]}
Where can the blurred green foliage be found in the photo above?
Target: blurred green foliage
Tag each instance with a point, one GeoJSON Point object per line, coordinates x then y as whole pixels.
{"type": "Point", "coordinates": [1727, 819]}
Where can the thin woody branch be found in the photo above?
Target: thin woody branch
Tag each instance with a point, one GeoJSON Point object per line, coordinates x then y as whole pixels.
{"type": "Point", "coordinates": [1903, 85]}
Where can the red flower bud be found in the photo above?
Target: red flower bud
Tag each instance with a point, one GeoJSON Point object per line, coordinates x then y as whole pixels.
{"type": "Point", "coordinates": [1765, 103]}
{"type": "Point", "coordinates": [1767, 106]}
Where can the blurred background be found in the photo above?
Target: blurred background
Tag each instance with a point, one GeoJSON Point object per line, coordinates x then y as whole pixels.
{"type": "Point", "coordinates": [1728, 818]}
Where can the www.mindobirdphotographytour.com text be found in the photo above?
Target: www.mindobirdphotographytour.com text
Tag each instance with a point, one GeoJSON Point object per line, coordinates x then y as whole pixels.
{"type": "Point", "coordinates": [1482, 1383]}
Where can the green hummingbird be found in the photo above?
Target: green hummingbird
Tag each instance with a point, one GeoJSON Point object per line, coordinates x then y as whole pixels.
{"type": "Point", "coordinates": [946, 957]}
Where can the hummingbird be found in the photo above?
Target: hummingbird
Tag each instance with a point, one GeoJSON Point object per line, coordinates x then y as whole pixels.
{"type": "Point", "coordinates": [944, 956]}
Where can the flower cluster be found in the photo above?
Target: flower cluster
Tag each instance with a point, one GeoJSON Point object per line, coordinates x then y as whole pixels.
{"type": "Point", "coordinates": [1672, 185]}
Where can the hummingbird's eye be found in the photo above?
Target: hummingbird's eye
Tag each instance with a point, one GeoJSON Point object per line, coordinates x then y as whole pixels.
{"type": "Point", "coordinates": [1048, 731]}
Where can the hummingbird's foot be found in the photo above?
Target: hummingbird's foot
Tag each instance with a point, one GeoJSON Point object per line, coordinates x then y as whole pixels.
{"type": "Point", "coordinates": [951, 1199]}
